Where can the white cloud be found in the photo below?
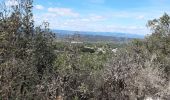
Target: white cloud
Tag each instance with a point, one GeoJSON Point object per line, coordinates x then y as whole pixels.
{"type": "Point", "coordinates": [91, 22]}
{"type": "Point", "coordinates": [67, 19]}
{"type": "Point", "coordinates": [39, 7]}
{"type": "Point", "coordinates": [128, 14]}
{"type": "Point", "coordinates": [11, 3]}
{"type": "Point", "coordinates": [94, 17]}
{"type": "Point", "coordinates": [140, 17]}
{"type": "Point", "coordinates": [63, 12]}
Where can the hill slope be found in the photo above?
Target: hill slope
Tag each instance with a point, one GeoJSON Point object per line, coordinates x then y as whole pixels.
{"type": "Point", "coordinates": [98, 36]}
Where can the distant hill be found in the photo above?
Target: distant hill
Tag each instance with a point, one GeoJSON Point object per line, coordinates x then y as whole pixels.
{"type": "Point", "coordinates": [114, 34]}
{"type": "Point", "coordinates": [98, 36]}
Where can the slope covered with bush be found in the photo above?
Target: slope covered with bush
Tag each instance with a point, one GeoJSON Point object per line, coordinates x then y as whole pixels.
{"type": "Point", "coordinates": [33, 65]}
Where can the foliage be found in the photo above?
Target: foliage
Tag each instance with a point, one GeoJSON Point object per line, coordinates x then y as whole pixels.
{"type": "Point", "coordinates": [27, 55]}
{"type": "Point", "coordinates": [34, 65]}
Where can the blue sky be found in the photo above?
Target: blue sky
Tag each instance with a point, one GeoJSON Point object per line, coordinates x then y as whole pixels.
{"type": "Point", "coordinates": [128, 16]}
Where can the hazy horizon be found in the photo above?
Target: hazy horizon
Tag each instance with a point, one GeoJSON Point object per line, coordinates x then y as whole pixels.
{"type": "Point", "coordinates": [125, 16]}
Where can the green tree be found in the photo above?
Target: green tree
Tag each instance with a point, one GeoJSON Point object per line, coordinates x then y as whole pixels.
{"type": "Point", "coordinates": [26, 54]}
{"type": "Point", "coordinates": [159, 41]}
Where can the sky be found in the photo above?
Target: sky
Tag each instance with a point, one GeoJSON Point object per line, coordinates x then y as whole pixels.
{"type": "Point", "coordinates": [127, 16]}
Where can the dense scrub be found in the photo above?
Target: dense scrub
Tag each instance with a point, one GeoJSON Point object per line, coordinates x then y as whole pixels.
{"type": "Point", "coordinates": [33, 65]}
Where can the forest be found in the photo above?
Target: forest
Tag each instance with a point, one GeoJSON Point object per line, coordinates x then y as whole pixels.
{"type": "Point", "coordinates": [34, 65]}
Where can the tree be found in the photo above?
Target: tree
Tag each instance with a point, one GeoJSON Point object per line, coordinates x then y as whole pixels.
{"type": "Point", "coordinates": [27, 55]}
{"type": "Point", "coordinates": [159, 41]}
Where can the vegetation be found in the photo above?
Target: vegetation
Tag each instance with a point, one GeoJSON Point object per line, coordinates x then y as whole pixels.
{"type": "Point", "coordinates": [35, 66]}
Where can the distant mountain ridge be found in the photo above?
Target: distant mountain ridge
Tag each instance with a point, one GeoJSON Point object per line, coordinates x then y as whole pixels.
{"type": "Point", "coordinates": [112, 34]}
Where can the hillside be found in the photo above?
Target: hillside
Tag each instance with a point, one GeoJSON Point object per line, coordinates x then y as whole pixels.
{"type": "Point", "coordinates": [98, 36]}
